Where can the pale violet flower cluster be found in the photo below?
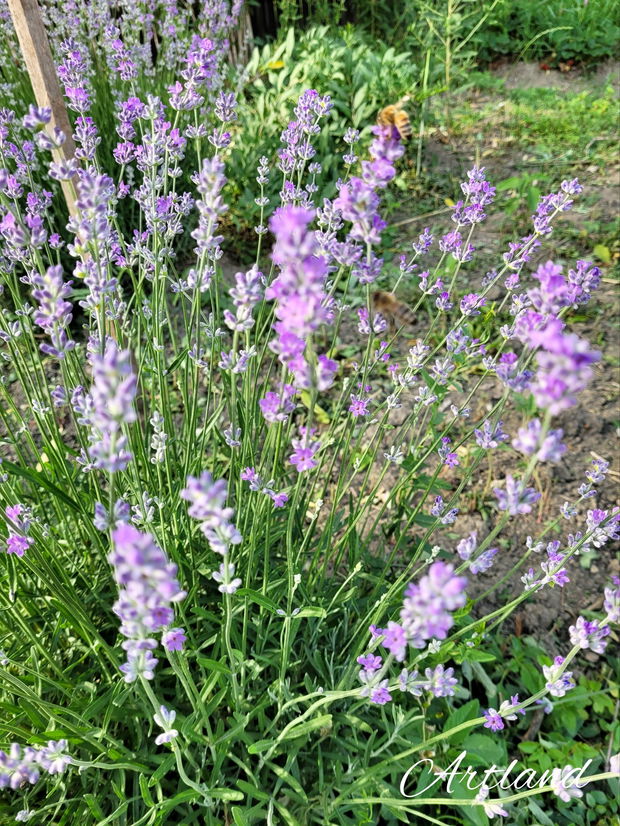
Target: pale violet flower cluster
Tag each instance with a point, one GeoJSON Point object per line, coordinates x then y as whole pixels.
{"type": "Point", "coordinates": [508, 710]}
{"type": "Point", "coordinates": [589, 634]}
{"type": "Point", "coordinates": [515, 497]}
{"type": "Point", "coordinates": [558, 681]}
{"type": "Point", "coordinates": [528, 442]}
{"type": "Point", "coordinates": [256, 483]}
{"type": "Point", "coordinates": [18, 522]}
{"type": "Point", "coordinates": [108, 408]}
{"type": "Point", "coordinates": [54, 312]}
{"type": "Point", "coordinates": [426, 614]}
{"type": "Point", "coordinates": [148, 591]}
{"type": "Point", "coordinates": [22, 765]}
{"type": "Point", "coordinates": [479, 563]}
{"type": "Point", "coordinates": [208, 505]}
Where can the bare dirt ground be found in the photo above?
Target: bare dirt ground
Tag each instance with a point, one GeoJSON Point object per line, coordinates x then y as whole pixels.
{"type": "Point", "coordinates": [529, 75]}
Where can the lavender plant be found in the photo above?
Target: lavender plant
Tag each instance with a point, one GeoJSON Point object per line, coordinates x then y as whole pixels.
{"type": "Point", "coordinates": [235, 587]}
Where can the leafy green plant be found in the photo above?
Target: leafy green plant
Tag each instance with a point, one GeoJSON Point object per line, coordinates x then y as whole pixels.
{"type": "Point", "coordinates": [359, 75]}
{"type": "Point", "coordinates": [556, 30]}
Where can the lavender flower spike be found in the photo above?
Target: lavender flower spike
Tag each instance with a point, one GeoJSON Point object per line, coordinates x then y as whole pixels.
{"type": "Point", "coordinates": [23, 764]}
{"type": "Point", "coordinates": [516, 498]}
{"type": "Point", "coordinates": [208, 500]}
{"type": "Point", "coordinates": [111, 405]}
{"type": "Point", "coordinates": [148, 590]}
{"type": "Point", "coordinates": [54, 313]}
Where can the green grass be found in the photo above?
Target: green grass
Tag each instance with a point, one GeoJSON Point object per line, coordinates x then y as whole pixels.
{"type": "Point", "coordinates": [554, 122]}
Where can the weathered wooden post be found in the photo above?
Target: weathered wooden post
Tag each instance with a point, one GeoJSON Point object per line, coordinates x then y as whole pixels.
{"type": "Point", "coordinates": [26, 16]}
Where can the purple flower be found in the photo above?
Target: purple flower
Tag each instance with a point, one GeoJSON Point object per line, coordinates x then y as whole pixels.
{"type": "Point", "coordinates": [37, 117]}
{"type": "Point", "coordinates": [449, 458]}
{"type": "Point", "coordinates": [225, 107]}
{"type": "Point", "coordinates": [279, 499]}
{"type": "Point", "coordinates": [325, 373]}
{"type": "Point", "coordinates": [174, 639]}
{"type": "Point", "coordinates": [380, 694]}
{"type": "Point", "coordinates": [598, 471]}
{"type": "Point", "coordinates": [246, 294]}
{"type": "Point", "coordinates": [298, 288]}
{"type": "Point", "coordinates": [395, 640]}
{"type": "Point", "coordinates": [305, 449]}
{"type": "Point", "coordinates": [427, 606]}
{"type": "Point", "coordinates": [366, 326]}
{"type": "Point", "coordinates": [225, 576]}
{"type": "Point", "coordinates": [440, 681]}
{"type": "Point", "coordinates": [373, 688]}
{"type": "Point", "coordinates": [471, 304]}
{"type": "Point", "coordinates": [208, 499]}
{"type": "Point", "coordinates": [209, 183]}
{"type": "Point", "coordinates": [232, 439]}
{"type": "Point", "coordinates": [553, 293]}
{"type": "Point", "coordinates": [277, 407]}
{"type": "Point", "coordinates": [489, 807]}
{"type": "Point", "coordinates": [443, 302]}
{"type": "Point", "coordinates": [23, 764]}
{"type": "Point", "coordinates": [298, 149]}
{"type": "Point", "coordinates": [110, 406]}
{"type": "Point", "coordinates": [250, 475]}
{"type": "Point", "coordinates": [359, 406]}
{"type": "Point", "coordinates": [424, 242]}
{"type": "Point", "coordinates": [408, 681]}
{"type": "Point", "coordinates": [447, 515]}
{"type": "Point", "coordinates": [493, 720]}
{"type": "Point", "coordinates": [371, 662]}
{"type": "Point", "coordinates": [602, 527]}
{"type": "Point", "coordinates": [59, 396]}
{"type": "Point", "coordinates": [54, 313]}
{"type": "Point", "coordinates": [507, 371]}
{"type": "Point", "coordinates": [558, 683]}
{"type": "Point", "coordinates": [73, 73]}
{"type": "Point", "coordinates": [612, 601]}
{"type": "Point", "coordinates": [478, 194]}
{"type": "Point", "coordinates": [516, 498]}
{"type": "Point", "coordinates": [18, 523]}
{"type": "Point", "coordinates": [103, 521]}
{"type": "Point", "coordinates": [19, 766]}
{"type": "Point", "coordinates": [16, 544]}
{"type": "Point", "coordinates": [483, 562]}
{"type": "Point", "coordinates": [550, 205]}
{"type": "Point", "coordinates": [564, 362]}
{"type": "Point", "coordinates": [589, 635]}
{"type": "Point", "coordinates": [527, 441]}
{"type": "Point", "coordinates": [467, 546]}
{"type": "Point", "coordinates": [358, 200]}
{"type": "Point", "coordinates": [441, 370]}
{"type": "Point", "coordinates": [583, 280]}
{"type": "Point", "coordinates": [53, 758]}
{"type": "Point", "coordinates": [148, 590]}
{"type": "Point", "coordinates": [506, 709]}
{"type": "Point", "coordinates": [490, 435]}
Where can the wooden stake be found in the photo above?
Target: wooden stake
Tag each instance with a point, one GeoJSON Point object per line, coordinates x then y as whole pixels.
{"type": "Point", "coordinates": [26, 16]}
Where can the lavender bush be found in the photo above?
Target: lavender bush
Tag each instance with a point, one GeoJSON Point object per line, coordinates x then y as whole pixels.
{"type": "Point", "coordinates": [232, 590]}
